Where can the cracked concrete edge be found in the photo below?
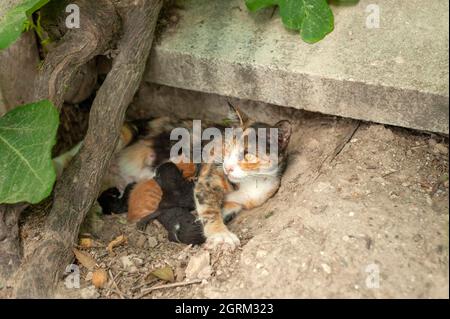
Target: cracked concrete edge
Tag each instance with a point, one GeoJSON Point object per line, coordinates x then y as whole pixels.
{"type": "Point", "coordinates": [375, 103]}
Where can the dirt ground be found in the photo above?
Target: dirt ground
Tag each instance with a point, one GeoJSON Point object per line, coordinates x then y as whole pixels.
{"type": "Point", "coordinates": [362, 213]}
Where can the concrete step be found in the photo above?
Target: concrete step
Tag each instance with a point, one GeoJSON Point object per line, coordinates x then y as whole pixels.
{"type": "Point", "coordinates": [396, 74]}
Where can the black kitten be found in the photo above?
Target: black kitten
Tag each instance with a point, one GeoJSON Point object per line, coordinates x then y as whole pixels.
{"type": "Point", "coordinates": [175, 208]}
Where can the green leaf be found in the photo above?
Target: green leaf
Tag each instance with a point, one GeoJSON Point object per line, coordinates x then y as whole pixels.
{"type": "Point", "coordinates": [27, 135]}
{"type": "Point", "coordinates": [318, 21]}
{"type": "Point", "coordinates": [254, 5]}
{"type": "Point", "coordinates": [292, 13]}
{"type": "Point", "coordinates": [13, 21]}
{"type": "Point", "coordinates": [313, 18]}
{"type": "Point", "coordinates": [343, 2]}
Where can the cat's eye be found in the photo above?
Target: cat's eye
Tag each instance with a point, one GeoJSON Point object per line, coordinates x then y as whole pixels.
{"type": "Point", "coordinates": [251, 158]}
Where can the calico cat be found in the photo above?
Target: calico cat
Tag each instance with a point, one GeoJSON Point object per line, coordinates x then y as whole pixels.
{"type": "Point", "coordinates": [134, 159]}
{"type": "Point", "coordinates": [223, 188]}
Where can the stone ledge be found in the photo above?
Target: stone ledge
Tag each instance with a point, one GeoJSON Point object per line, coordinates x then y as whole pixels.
{"type": "Point", "coordinates": [395, 75]}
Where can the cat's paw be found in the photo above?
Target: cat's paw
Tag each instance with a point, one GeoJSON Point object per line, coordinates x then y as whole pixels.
{"type": "Point", "coordinates": [223, 240]}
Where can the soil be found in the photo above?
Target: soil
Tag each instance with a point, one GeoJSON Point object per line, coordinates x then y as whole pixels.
{"type": "Point", "coordinates": [362, 212]}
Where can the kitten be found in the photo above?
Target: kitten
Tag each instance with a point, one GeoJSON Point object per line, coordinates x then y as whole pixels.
{"type": "Point", "coordinates": [176, 210]}
{"type": "Point", "coordinates": [134, 159]}
{"type": "Point", "coordinates": [168, 198]}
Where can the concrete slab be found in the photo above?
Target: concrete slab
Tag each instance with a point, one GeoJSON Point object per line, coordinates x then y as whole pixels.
{"type": "Point", "coordinates": [396, 74]}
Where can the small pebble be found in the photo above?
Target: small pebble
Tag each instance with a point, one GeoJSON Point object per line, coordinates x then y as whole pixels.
{"type": "Point", "coordinates": [199, 266]}
{"type": "Point", "coordinates": [152, 242]}
{"type": "Point", "coordinates": [126, 262]}
{"type": "Point", "coordinates": [326, 268]}
{"type": "Point", "coordinates": [140, 243]}
{"type": "Point", "coordinates": [440, 148]}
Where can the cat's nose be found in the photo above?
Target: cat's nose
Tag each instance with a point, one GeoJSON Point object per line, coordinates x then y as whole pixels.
{"type": "Point", "coordinates": [229, 169]}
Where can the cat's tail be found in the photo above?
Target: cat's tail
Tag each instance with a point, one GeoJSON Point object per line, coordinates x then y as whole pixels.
{"type": "Point", "coordinates": [63, 160]}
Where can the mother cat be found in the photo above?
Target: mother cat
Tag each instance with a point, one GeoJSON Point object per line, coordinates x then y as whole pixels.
{"type": "Point", "coordinates": [244, 177]}
{"type": "Point", "coordinates": [238, 183]}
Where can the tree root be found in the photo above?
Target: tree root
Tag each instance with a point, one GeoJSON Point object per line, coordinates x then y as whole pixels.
{"type": "Point", "coordinates": [17, 87]}
{"type": "Point", "coordinates": [99, 25]}
{"type": "Point", "coordinates": [10, 248]}
{"type": "Point", "coordinates": [76, 48]}
{"type": "Point", "coordinates": [22, 55]}
{"type": "Point", "coordinates": [78, 188]}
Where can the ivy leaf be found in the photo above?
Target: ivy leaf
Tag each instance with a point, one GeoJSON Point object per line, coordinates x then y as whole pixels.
{"type": "Point", "coordinates": [318, 20]}
{"type": "Point", "coordinates": [313, 18]}
{"type": "Point", "coordinates": [27, 135]}
{"type": "Point", "coordinates": [292, 13]}
{"type": "Point", "coordinates": [13, 21]}
{"type": "Point", "coordinates": [254, 5]}
{"type": "Point", "coordinates": [343, 2]}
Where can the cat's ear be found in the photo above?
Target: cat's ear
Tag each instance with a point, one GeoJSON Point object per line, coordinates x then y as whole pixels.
{"type": "Point", "coordinates": [236, 116]}
{"type": "Point", "coordinates": [284, 134]}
